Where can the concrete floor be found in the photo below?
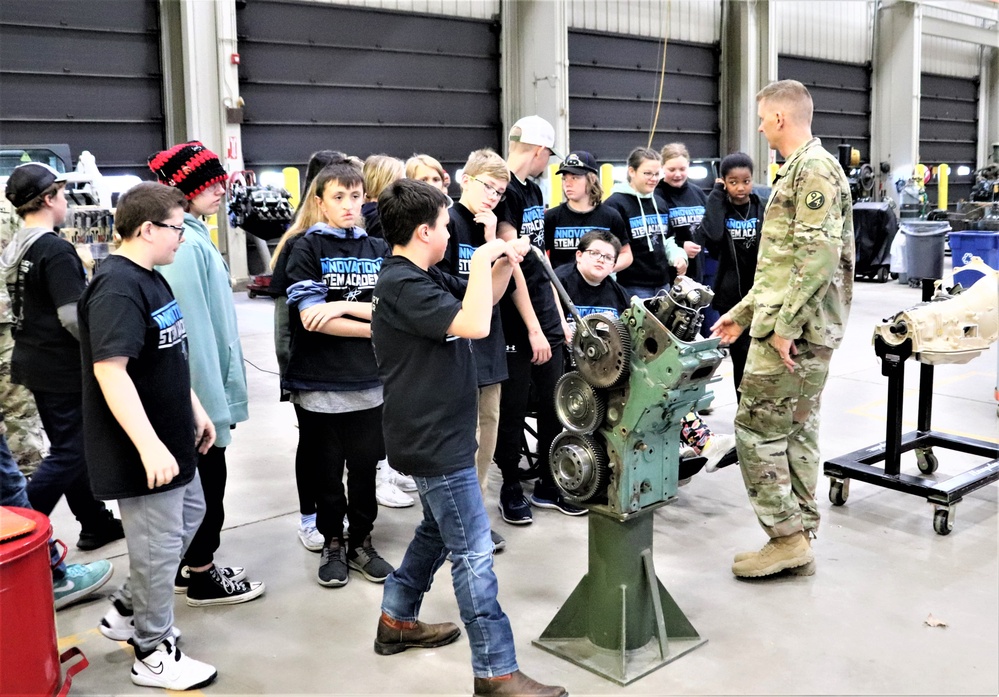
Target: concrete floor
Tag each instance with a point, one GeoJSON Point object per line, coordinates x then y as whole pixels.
{"type": "Point", "coordinates": [856, 627]}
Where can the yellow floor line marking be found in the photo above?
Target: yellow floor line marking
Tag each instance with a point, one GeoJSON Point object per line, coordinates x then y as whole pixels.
{"type": "Point", "coordinates": [74, 639]}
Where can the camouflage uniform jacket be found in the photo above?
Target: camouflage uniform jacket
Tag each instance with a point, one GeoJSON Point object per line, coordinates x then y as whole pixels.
{"type": "Point", "coordinates": [804, 277]}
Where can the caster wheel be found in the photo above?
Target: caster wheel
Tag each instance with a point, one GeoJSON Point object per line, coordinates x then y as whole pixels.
{"type": "Point", "coordinates": [882, 275]}
{"type": "Point", "coordinates": [839, 491]}
{"type": "Point", "coordinates": [943, 521]}
{"type": "Point", "coordinates": [252, 294]}
{"type": "Point", "coordinates": [926, 461]}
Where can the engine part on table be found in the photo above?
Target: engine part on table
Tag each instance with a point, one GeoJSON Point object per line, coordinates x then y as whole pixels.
{"type": "Point", "coordinates": [262, 211]}
{"type": "Point", "coordinates": [601, 348]}
{"type": "Point", "coordinates": [952, 327]}
{"type": "Point", "coordinates": [579, 466]}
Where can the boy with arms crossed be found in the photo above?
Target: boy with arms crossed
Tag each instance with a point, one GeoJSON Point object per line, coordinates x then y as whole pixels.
{"type": "Point", "coordinates": [144, 426]}
{"type": "Point", "coordinates": [421, 321]}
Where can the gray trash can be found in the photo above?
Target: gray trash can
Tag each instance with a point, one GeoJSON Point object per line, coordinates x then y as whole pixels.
{"type": "Point", "coordinates": [924, 247]}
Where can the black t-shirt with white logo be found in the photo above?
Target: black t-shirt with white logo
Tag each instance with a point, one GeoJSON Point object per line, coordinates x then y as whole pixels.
{"type": "Point", "coordinates": [564, 228]}
{"type": "Point", "coordinates": [524, 209]}
{"type": "Point", "coordinates": [429, 376]}
{"type": "Point", "coordinates": [129, 311]}
{"type": "Point", "coordinates": [467, 236]}
{"type": "Point", "coordinates": [46, 356]}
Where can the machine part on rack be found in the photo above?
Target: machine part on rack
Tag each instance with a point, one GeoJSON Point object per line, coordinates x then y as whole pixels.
{"type": "Point", "coordinates": [603, 352]}
{"type": "Point", "coordinates": [950, 328]}
{"type": "Point", "coordinates": [579, 466]}
{"type": "Point", "coordinates": [580, 408]}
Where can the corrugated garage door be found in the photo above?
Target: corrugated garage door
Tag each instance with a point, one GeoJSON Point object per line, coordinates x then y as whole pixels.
{"type": "Point", "coordinates": [614, 84]}
{"type": "Point", "coordinates": [86, 73]}
{"type": "Point", "coordinates": [841, 93]}
{"type": "Point", "coordinates": [948, 131]}
{"type": "Point", "coordinates": [317, 76]}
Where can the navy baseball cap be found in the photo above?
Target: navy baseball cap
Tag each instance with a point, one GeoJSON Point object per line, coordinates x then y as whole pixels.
{"type": "Point", "coordinates": [30, 180]}
{"type": "Point", "coordinates": [579, 162]}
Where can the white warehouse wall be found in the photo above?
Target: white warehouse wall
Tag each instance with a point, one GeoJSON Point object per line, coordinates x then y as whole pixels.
{"type": "Point", "coordinates": [838, 30]}
{"type": "Point", "coordinates": [698, 21]}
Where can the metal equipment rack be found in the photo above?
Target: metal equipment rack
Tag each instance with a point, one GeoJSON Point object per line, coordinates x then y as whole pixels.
{"type": "Point", "coordinates": [860, 464]}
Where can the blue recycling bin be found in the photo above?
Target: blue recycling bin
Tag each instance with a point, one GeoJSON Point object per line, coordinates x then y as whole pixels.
{"type": "Point", "coordinates": [973, 243]}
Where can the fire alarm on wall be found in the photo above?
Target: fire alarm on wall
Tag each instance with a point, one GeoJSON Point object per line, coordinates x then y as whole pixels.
{"type": "Point", "coordinates": [234, 59]}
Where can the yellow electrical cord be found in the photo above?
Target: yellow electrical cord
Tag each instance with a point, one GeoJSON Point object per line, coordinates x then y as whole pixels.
{"type": "Point", "coordinates": [662, 75]}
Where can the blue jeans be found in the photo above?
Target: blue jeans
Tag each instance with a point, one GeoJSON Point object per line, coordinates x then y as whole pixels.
{"type": "Point", "coordinates": [13, 492]}
{"type": "Point", "coordinates": [454, 518]}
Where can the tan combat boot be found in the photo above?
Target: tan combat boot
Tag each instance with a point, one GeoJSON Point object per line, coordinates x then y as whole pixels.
{"type": "Point", "coordinates": [806, 570]}
{"type": "Point", "coordinates": [516, 684]}
{"type": "Point", "coordinates": [395, 636]}
{"type": "Point", "coordinates": [778, 554]}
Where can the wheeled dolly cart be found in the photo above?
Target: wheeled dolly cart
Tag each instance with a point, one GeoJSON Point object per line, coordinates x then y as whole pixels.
{"type": "Point", "coordinates": [862, 464]}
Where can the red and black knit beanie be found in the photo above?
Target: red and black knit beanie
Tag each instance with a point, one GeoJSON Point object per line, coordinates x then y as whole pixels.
{"type": "Point", "coordinates": [191, 167]}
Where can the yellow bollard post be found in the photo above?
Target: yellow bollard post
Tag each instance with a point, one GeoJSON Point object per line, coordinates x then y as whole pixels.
{"type": "Point", "coordinates": [943, 177]}
{"type": "Point", "coordinates": [556, 193]}
{"type": "Point", "coordinates": [606, 178]}
{"type": "Point", "coordinates": [292, 185]}
{"type": "Point", "coordinates": [772, 173]}
{"type": "Point", "coordinates": [212, 222]}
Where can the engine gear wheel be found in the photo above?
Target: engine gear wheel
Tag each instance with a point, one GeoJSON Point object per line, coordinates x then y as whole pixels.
{"type": "Point", "coordinates": [579, 466]}
{"type": "Point", "coordinates": [603, 358]}
{"type": "Point", "coordinates": [580, 408]}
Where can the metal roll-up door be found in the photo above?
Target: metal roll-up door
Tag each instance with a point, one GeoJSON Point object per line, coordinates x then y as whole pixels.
{"type": "Point", "coordinates": [317, 76]}
{"type": "Point", "coordinates": [614, 86]}
{"type": "Point", "coordinates": [841, 95]}
{"type": "Point", "coordinates": [86, 74]}
{"type": "Point", "coordinates": [948, 131]}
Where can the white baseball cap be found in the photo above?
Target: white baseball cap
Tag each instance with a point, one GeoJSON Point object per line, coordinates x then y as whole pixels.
{"type": "Point", "coordinates": [534, 130]}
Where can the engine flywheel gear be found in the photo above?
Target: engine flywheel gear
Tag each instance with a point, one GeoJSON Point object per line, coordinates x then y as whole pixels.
{"type": "Point", "coordinates": [602, 358]}
{"type": "Point", "coordinates": [578, 405]}
{"type": "Point", "coordinates": [579, 466]}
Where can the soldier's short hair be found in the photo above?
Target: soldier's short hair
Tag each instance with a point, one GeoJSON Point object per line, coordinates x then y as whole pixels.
{"type": "Point", "coordinates": [793, 96]}
{"type": "Point", "coordinates": [150, 201]}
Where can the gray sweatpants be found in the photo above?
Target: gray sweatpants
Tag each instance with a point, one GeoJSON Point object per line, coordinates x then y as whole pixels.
{"type": "Point", "coordinates": [158, 529]}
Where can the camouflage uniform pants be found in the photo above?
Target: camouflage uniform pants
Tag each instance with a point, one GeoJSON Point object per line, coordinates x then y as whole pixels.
{"type": "Point", "coordinates": [777, 435]}
{"type": "Point", "coordinates": [17, 407]}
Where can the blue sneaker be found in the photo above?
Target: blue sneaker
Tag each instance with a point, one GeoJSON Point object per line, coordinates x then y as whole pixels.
{"type": "Point", "coordinates": [513, 505]}
{"type": "Point", "coordinates": [80, 581]}
{"type": "Point", "coordinates": [550, 497]}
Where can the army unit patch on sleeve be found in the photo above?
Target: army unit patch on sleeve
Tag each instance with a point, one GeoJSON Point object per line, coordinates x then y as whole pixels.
{"type": "Point", "coordinates": [814, 200]}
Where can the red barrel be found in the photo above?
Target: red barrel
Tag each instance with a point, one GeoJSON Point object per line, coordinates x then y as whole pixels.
{"type": "Point", "coordinates": [29, 654]}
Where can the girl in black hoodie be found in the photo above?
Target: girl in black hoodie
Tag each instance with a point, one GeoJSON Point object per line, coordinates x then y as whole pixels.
{"type": "Point", "coordinates": [730, 230]}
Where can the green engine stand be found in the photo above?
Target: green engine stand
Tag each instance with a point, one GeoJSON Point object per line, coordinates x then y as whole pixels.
{"type": "Point", "coordinates": [620, 622]}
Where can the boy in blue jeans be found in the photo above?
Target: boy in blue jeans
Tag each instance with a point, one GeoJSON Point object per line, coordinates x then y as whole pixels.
{"type": "Point", "coordinates": [421, 323]}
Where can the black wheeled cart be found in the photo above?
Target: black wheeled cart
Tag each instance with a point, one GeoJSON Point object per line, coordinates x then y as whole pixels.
{"type": "Point", "coordinates": [862, 464]}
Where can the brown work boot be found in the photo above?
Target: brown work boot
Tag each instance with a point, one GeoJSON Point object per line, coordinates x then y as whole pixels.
{"type": "Point", "coordinates": [778, 554]}
{"type": "Point", "coordinates": [514, 684]}
{"type": "Point", "coordinates": [394, 636]}
{"type": "Point", "coordinates": [806, 570]}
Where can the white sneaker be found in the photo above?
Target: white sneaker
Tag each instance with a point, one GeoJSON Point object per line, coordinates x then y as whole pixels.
{"type": "Point", "coordinates": [686, 452]}
{"type": "Point", "coordinates": [167, 667]}
{"type": "Point", "coordinates": [389, 495]}
{"type": "Point", "coordinates": [717, 447]}
{"type": "Point", "coordinates": [119, 624]}
{"type": "Point", "coordinates": [311, 538]}
{"type": "Point", "coordinates": [403, 481]}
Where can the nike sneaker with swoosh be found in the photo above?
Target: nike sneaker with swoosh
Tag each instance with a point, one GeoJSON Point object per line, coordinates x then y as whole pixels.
{"type": "Point", "coordinates": [168, 667]}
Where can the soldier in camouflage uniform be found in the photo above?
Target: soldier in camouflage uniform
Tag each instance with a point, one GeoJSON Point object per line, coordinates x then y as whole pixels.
{"type": "Point", "coordinates": [23, 426]}
{"type": "Point", "coordinates": [796, 313]}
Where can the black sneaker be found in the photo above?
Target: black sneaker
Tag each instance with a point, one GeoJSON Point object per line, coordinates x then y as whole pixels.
{"type": "Point", "coordinates": [550, 497]}
{"type": "Point", "coordinates": [499, 544]}
{"type": "Point", "coordinates": [333, 565]}
{"type": "Point", "coordinates": [213, 588]}
{"type": "Point", "coordinates": [513, 505]}
{"type": "Point", "coordinates": [366, 560]}
{"type": "Point", "coordinates": [106, 529]}
{"type": "Point", "coordinates": [183, 578]}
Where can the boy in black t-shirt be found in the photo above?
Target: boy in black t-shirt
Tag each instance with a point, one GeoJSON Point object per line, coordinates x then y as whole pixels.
{"type": "Point", "coordinates": [472, 223]}
{"type": "Point", "coordinates": [534, 330]}
{"type": "Point", "coordinates": [421, 323]}
{"type": "Point", "coordinates": [144, 428]}
{"type": "Point", "coordinates": [45, 278]}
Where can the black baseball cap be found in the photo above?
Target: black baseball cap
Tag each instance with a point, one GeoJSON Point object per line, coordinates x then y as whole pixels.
{"type": "Point", "coordinates": [579, 162]}
{"type": "Point", "coordinates": [30, 180]}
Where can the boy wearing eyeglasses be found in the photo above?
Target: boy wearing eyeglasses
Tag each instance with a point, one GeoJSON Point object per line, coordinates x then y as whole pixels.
{"type": "Point", "coordinates": [471, 224]}
{"type": "Point", "coordinates": [199, 278]}
{"type": "Point", "coordinates": [144, 428]}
